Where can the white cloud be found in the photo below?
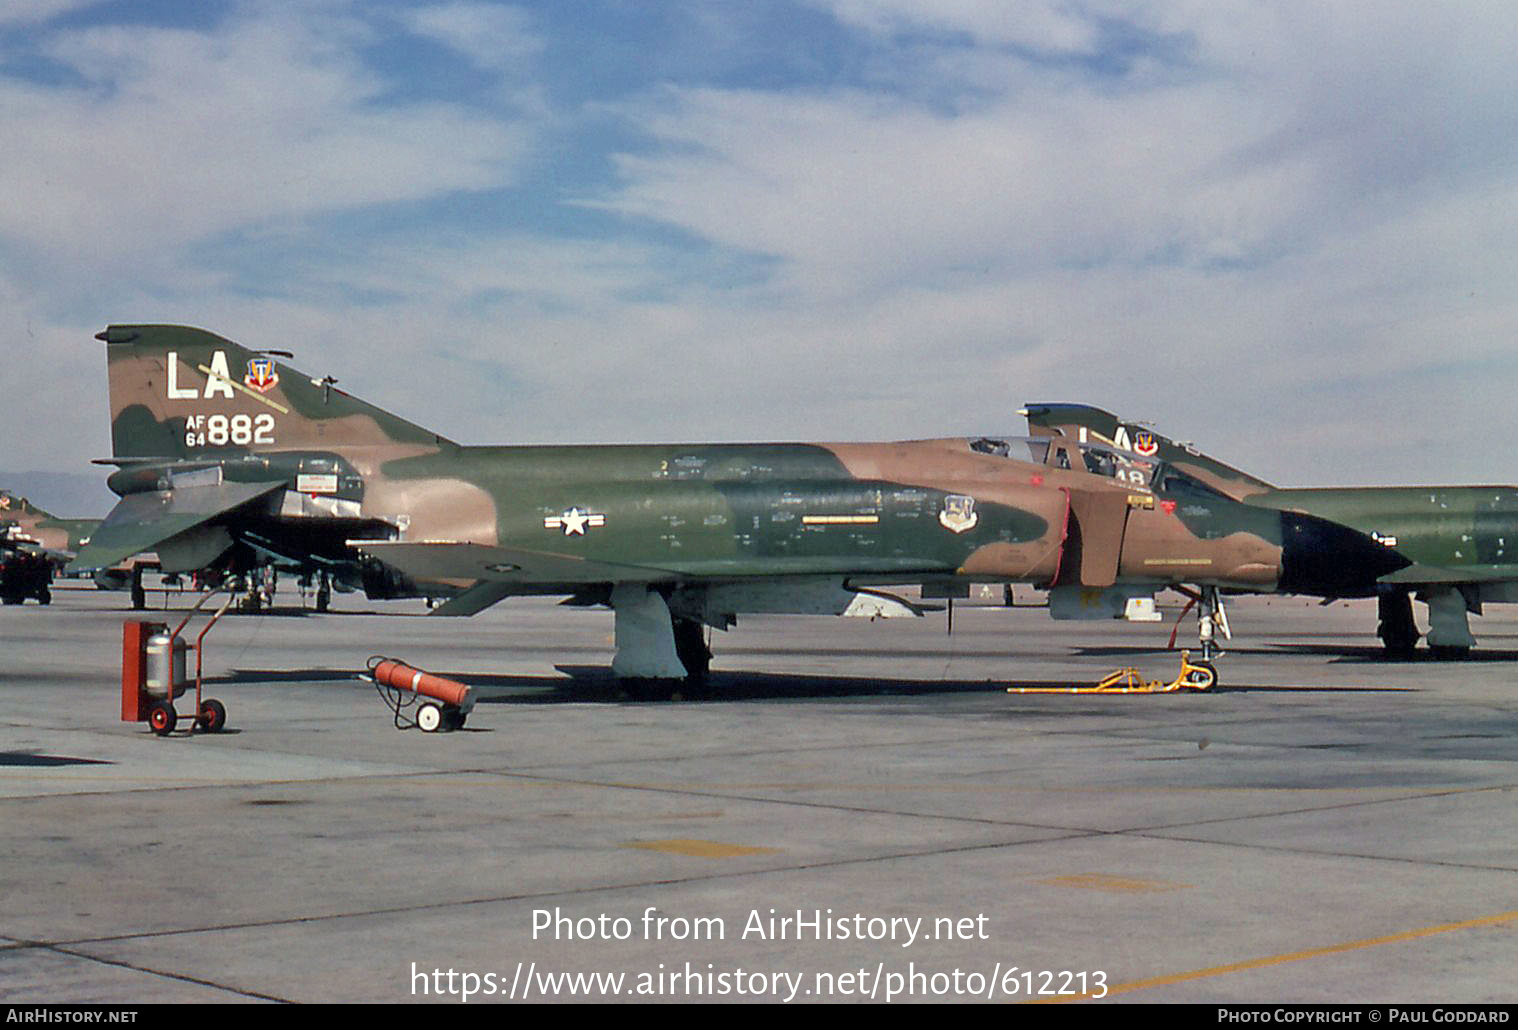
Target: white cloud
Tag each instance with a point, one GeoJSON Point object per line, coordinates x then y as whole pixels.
{"type": "Point", "coordinates": [179, 135]}
{"type": "Point", "coordinates": [490, 35]}
{"type": "Point", "coordinates": [1320, 196]}
{"type": "Point", "coordinates": [1042, 26]}
{"type": "Point", "coordinates": [28, 12]}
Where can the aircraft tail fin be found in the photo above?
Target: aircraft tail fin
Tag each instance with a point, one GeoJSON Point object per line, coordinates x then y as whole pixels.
{"type": "Point", "coordinates": [178, 392]}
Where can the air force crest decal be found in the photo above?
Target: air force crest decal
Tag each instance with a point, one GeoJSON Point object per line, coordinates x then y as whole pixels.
{"type": "Point", "coordinates": [959, 514]}
{"type": "Point", "coordinates": [261, 375]}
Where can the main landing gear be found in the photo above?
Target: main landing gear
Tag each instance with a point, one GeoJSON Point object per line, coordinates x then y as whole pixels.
{"type": "Point", "coordinates": [658, 654]}
{"type": "Point", "coordinates": [1449, 626]}
{"type": "Point", "coordinates": [1396, 628]}
{"type": "Point", "coordinates": [322, 581]}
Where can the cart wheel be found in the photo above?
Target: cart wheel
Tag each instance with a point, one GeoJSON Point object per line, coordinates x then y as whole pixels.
{"type": "Point", "coordinates": [162, 717]}
{"type": "Point", "coordinates": [213, 715]}
{"type": "Point", "coordinates": [1201, 676]}
{"type": "Point", "coordinates": [429, 718]}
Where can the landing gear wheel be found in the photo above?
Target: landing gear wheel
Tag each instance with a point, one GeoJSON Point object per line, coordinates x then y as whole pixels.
{"type": "Point", "coordinates": [1397, 630]}
{"type": "Point", "coordinates": [213, 716]}
{"type": "Point", "coordinates": [1201, 676]}
{"type": "Point", "coordinates": [323, 598]}
{"type": "Point", "coordinates": [44, 596]}
{"type": "Point", "coordinates": [162, 717]}
{"type": "Point", "coordinates": [13, 599]}
{"type": "Point", "coordinates": [429, 718]}
{"type": "Point", "coordinates": [691, 649]}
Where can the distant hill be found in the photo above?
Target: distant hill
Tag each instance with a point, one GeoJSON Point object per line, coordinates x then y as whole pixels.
{"type": "Point", "coordinates": [69, 495]}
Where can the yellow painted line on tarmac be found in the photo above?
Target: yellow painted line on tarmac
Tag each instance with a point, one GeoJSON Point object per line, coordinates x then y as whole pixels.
{"type": "Point", "coordinates": [1115, 884]}
{"type": "Point", "coordinates": [1294, 956]}
{"type": "Point", "coordinates": [699, 848]}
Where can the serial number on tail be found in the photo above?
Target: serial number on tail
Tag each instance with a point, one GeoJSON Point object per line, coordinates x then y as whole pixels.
{"type": "Point", "coordinates": [221, 430]}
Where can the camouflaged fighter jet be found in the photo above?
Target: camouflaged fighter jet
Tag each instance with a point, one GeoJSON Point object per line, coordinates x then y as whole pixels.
{"type": "Point", "coordinates": [228, 457]}
{"type": "Point", "coordinates": [1453, 541]}
{"type": "Point", "coordinates": [33, 544]}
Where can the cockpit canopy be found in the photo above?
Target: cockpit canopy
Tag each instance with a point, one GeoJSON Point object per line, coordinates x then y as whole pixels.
{"type": "Point", "coordinates": [1098, 459]}
{"type": "Point", "coordinates": [1134, 471]}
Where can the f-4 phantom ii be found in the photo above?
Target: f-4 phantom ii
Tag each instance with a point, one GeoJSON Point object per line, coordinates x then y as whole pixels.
{"type": "Point", "coordinates": [229, 456]}
{"type": "Point", "coordinates": [1457, 545]}
{"type": "Point", "coordinates": [33, 544]}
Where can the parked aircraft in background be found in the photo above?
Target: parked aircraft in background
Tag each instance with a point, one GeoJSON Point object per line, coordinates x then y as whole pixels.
{"type": "Point", "coordinates": [1458, 544]}
{"type": "Point", "coordinates": [33, 544]}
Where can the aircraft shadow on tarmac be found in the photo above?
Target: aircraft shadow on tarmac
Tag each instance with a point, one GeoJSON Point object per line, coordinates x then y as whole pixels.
{"type": "Point", "coordinates": [1371, 654]}
{"type": "Point", "coordinates": [590, 683]}
{"type": "Point", "coordinates": [33, 760]}
{"type": "Point", "coordinates": [1374, 655]}
{"type": "Point", "coordinates": [596, 684]}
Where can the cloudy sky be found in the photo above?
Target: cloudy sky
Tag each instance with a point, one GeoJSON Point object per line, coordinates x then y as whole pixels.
{"type": "Point", "coordinates": [1288, 231]}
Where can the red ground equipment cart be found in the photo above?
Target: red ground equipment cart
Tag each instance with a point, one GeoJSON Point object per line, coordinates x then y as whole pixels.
{"type": "Point", "coordinates": [153, 662]}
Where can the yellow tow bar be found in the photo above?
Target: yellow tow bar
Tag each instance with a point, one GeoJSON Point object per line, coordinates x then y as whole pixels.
{"type": "Point", "coordinates": [1194, 676]}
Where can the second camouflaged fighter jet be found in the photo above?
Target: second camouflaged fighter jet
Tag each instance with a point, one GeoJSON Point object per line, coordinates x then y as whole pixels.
{"type": "Point", "coordinates": [1458, 545]}
{"type": "Point", "coordinates": [33, 544]}
{"type": "Point", "coordinates": [229, 457]}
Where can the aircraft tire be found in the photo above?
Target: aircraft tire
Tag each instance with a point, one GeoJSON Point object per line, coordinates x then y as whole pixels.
{"type": "Point", "coordinates": [1204, 676]}
{"type": "Point", "coordinates": [690, 647]}
{"type": "Point", "coordinates": [13, 599]}
{"type": "Point", "coordinates": [648, 689]}
{"type": "Point", "coordinates": [44, 596]}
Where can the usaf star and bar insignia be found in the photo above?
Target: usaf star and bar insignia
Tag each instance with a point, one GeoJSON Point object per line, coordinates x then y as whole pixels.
{"type": "Point", "coordinates": [574, 522]}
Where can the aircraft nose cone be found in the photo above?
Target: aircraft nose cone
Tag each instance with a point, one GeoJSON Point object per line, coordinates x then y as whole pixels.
{"type": "Point", "coordinates": [1326, 559]}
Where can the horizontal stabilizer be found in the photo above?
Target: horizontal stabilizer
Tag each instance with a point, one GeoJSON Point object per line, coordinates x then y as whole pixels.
{"type": "Point", "coordinates": [141, 522]}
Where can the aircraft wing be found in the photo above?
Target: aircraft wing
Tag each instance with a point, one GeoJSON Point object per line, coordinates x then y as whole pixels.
{"type": "Point", "coordinates": [498, 572]}
{"type": "Point", "coordinates": [141, 522]}
{"type": "Point", "coordinates": [1429, 575]}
